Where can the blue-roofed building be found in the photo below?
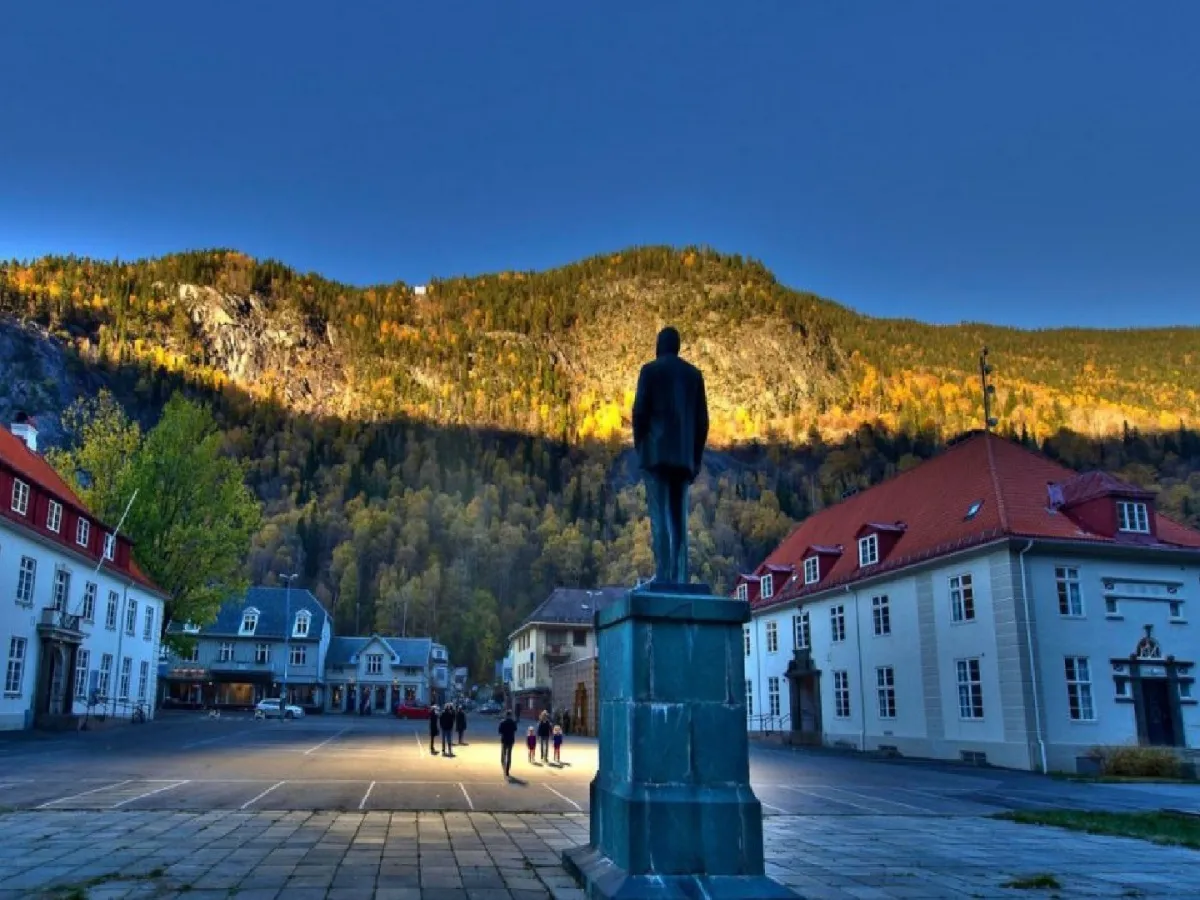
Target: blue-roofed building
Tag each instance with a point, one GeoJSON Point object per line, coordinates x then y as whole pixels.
{"type": "Point", "coordinates": [269, 643]}
{"type": "Point", "coordinates": [379, 672]}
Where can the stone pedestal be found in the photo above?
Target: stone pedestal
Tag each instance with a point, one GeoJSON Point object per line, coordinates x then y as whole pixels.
{"type": "Point", "coordinates": [672, 812]}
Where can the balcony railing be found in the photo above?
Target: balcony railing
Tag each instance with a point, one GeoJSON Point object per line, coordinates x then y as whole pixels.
{"type": "Point", "coordinates": [57, 618]}
{"type": "Point", "coordinates": [558, 652]}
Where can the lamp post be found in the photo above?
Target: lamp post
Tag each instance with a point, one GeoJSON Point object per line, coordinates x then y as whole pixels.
{"type": "Point", "coordinates": [287, 634]}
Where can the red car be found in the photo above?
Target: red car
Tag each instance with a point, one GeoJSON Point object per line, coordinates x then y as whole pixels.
{"type": "Point", "coordinates": [411, 711]}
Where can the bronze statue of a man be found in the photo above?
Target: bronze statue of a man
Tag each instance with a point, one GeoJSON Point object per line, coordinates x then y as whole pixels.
{"type": "Point", "coordinates": [670, 427]}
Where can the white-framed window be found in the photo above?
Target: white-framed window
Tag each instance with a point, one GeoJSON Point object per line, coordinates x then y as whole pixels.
{"type": "Point", "coordinates": [15, 675]}
{"type": "Point", "coordinates": [1112, 608]}
{"type": "Point", "coordinates": [62, 589]}
{"type": "Point", "coordinates": [962, 598]}
{"type": "Point", "coordinates": [191, 628]}
{"type": "Point", "coordinates": [812, 570]}
{"type": "Point", "coordinates": [299, 655]}
{"type": "Point", "coordinates": [83, 658]}
{"type": "Point", "coordinates": [26, 578]}
{"type": "Point", "coordinates": [885, 688]}
{"type": "Point", "coordinates": [143, 680]}
{"type": "Point", "coordinates": [262, 653]}
{"type": "Point", "coordinates": [110, 546]}
{"type": "Point", "coordinates": [226, 651]}
{"type": "Point", "coordinates": [1079, 689]}
{"type": "Point", "coordinates": [772, 637]}
{"type": "Point", "coordinates": [970, 689]}
{"type": "Point", "coordinates": [881, 615]}
{"type": "Point", "coordinates": [1133, 517]}
{"type": "Point", "coordinates": [110, 612]}
{"type": "Point", "coordinates": [249, 621]}
{"type": "Point", "coordinates": [374, 663]}
{"type": "Point", "coordinates": [131, 617]}
{"type": "Point", "coordinates": [868, 550]}
{"type": "Point", "coordinates": [837, 623]}
{"type": "Point", "coordinates": [303, 619]}
{"type": "Point", "coordinates": [105, 678]}
{"type": "Point", "coordinates": [83, 532]}
{"type": "Point", "coordinates": [746, 639]}
{"type": "Point", "coordinates": [743, 591]}
{"type": "Point", "coordinates": [749, 698]}
{"type": "Point", "coordinates": [1070, 595]}
{"type": "Point", "coordinates": [1175, 608]}
{"type": "Point", "coordinates": [54, 516]}
{"type": "Point", "coordinates": [89, 601]}
{"type": "Point", "coordinates": [766, 587]}
{"type": "Point", "coordinates": [191, 654]}
{"type": "Point", "coordinates": [802, 630]}
{"type": "Point", "coordinates": [773, 695]}
{"type": "Point", "coordinates": [123, 684]}
{"type": "Point", "coordinates": [841, 694]}
{"type": "Point", "coordinates": [148, 624]}
{"type": "Point", "coordinates": [20, 497]}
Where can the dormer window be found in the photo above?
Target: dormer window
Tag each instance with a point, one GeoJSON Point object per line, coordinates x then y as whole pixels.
{"type": "Point", "coordinates": [1133, 517]}
{"type": "Point", "coordinates": [191, 628]}
{"type": "Point", "coordinates": [83, 532]}
{"type": "Point", "coordinates": [301, 627]}
{"type": "Point", "coordinates": [868, 550]}
{"type": "Point", "coordinates": [110, 546]}
{"type": "Point", "coordinates": [743, 591]}
{"type": "Point", "coordinates": [766, 587]}
{"type": "Point", "coordinates": [249, 621]}
{"type": "Point", "coordinates": [54, 516]}
{"type": "Point", "coordinates": [812, 570]}
{"type": "Point", "coordinates": [20, 497]}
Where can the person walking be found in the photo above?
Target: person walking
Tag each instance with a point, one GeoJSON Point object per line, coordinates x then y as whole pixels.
{"type": "Point", "coordinates": [544, 731]}
{"type": "Point", "coordinates": [460, 722]}
{"type": "Point", "coordinates": [508, 737]}
{"type": "Point", "coordinates": [433, 730]}
{"type": "Point", "coordinates": [446, 723]}
{"type": "Point", "coordinates": [531, 742]}
{"type": "Point", "coordinates": [558, 739]}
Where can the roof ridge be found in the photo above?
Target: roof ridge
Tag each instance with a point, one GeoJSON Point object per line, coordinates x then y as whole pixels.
{"type": "Point", "coordinates": [991, 458]}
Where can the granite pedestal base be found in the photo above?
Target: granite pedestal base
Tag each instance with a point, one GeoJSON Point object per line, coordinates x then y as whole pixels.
{"type": "Point", "coordinates": [672, 811]}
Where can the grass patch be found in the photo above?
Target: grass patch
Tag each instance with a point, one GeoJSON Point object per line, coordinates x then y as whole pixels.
{"type": "Point", "coordinates": [1034, 883]}
{"type": "Point", "coordinates": [1138, 762]}
{"type": "Point", "coordinates": [1120, 779]}
{"type": "Point", "coordinates": [1171, 829]}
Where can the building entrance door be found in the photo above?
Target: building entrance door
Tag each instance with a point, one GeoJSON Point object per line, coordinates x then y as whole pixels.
{"type": "Point", "coordinates": [1160, 721]}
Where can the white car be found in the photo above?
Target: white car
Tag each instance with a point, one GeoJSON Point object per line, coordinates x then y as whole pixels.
{"type": "Point", "coordinates": [270, 709]}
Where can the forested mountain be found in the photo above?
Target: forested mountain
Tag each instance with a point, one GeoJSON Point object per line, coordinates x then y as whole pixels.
{"type": "Point", "coordinates": [439, 459]}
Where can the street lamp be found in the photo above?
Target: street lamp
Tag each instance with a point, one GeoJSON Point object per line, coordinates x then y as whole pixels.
{"type": "Point", "coordinates": [287, 634]}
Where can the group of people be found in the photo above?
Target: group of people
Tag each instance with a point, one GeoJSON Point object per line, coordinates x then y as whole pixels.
{"type": "Point", "coordinates": [544, 733]}
{"type": "Point", "coordinates": [446, 720]}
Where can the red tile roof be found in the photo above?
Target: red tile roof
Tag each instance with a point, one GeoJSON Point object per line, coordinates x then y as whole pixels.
{"type": "Point", "coordinates": [933, 500]}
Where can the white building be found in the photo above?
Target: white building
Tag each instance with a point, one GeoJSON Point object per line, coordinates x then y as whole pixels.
{"type": "Point", "coordinates": [987, 604]}
{"type": "Point", "coordinates": [79, 622]}
{"type": "Point", "coordinates": [377, 673]}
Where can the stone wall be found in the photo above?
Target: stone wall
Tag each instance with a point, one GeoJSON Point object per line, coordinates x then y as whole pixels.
{"type": "Point", "coordinates": [574, 689]}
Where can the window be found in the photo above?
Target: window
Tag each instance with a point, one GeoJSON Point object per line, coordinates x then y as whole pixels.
{"type": "Point", "coordinates": [841, 695]}
{"type": "Point", "coordinates": [54, 516]}
{"type": "Point", "coordinates": [20, 497]}
{"type": "Point", "coordinates": [148, 625]}
{"type": "Point", "coordinates": [1070, 597]}
{"type": "Point", "coordinates": [89, 601]}
{"type": "Point", "coordinates": [743, 591]}
{"type": "Point", "coordinates": [83, 532]}
{"type": "Point", "coordinates": [1133, 517]}
{"type": "Point", "coordinates": [749, 698]}
{"type": "Point", "coordinates": [1176, 608]}
{"type": "Point", "coordinates": [881, 613]}
{"type": "Point", "coordinates": [374, 663]}
{"type": "Point", "coordinates": [16, 666]}
{"type": "Point", "coordinates": [772, 637]}
{"type": "Point", "coordinates": [868, 550]}
{"type": "Point", "coordinates": [1112, 609]}
{"type": "Point", "coordinates": [262, 653]}
{"type": "Point", "coordinates": [102, 682]}
{"type": "Point", "coordinates": [227, 651]}
{"type": "Point", "coordinates": [83, 657]}
{"type": "Point", "coordinates": [885, 688]}
{"type": "Point", "coordinates": [143, 679]}
{"type": "Point", "coordinates": [970, 689]}
{"type": "Point", "coordinates": [837, 624]}
{"type": "Point", "coordinates": [110, 614]}
{"type": "Point", "coordinates": [62, 588]}
{"type": "Point", "coordinates": [123, 684]}
{"type": "Point", "coordinates": [191, 628]}
{"type": "Point", "coordinates": [25, 580]}
{"type": "Point", "coordinates": [812, 570]}
{"type": "Point", "coordinates": [131, 617]}
{"type": "Point", "coordinates": [249, 621]}
{"type": "Point", "coordinates": [110, 546]}
{"type": "Point", "coordinates": [803, 633]}
{"type": "Point", "coordinates": [579, 638]}
{"type": "Point", "coordinates": [191, 654]}
{"type": "Point", "coordinates": [962, 599]}
{"type": "Point", "coordinates": [773, 695]}
{"type": "Point", "coordinates": [746, 639]}
{"type": "Point", "coordinates": [766, 587]}
{"type": "Point", "coordinates": [301, 627]}
{"type": "Point", "coordinates": [299, 655]}
{"type": "Point", "coordinates": [1079, 689]}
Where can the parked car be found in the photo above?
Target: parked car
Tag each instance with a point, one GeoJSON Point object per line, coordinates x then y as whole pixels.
{"type": "Point", "coordinates": [412, 711]}
{"type": "Point", "coordinates": [270, 709]}
{"type": "Point", "coordinates": [491, 708]}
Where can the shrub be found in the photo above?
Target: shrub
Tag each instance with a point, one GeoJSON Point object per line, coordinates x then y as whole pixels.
{"type": "Point", "coordinates": [1138, 762]}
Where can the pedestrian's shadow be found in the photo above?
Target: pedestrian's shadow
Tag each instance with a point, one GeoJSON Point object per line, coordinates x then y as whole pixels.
{"type": "Point", "coordinates": [559, 765]}
{"type": "Point", "coordinates": [513, 779]}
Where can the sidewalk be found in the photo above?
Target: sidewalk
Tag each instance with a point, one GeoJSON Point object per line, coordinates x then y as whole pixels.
{"type": "Point", "coordinates": [486, 856]}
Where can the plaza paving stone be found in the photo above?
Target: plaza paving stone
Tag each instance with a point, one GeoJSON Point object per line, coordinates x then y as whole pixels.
{"type": "Point", "coordinates": [295, 855]}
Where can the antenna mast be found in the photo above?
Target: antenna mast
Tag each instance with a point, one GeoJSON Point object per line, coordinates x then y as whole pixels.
{"type": "Point", "coordinates": [989, 391]}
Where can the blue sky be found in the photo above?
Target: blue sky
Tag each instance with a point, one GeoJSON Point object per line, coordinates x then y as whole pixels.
{"type": "Point", "coordinates": [1024, 163]}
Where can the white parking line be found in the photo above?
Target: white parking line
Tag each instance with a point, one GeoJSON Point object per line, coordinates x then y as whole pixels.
{"type": "Point", "coordinates": [363, 802]}
{"type": "Point", "coordinates": [258, 797]}
{"type": "Point", "coordinates": [811, 793]}
{"type": "Point", "coordinates": [563, 796]}
{"type": "Point", "coordinates": [149, 794]}
{"type": "Point", "coordinates": [920, 809]}
{"type": "Point", "coordinates": [782, 812]}
{"type": "Point", "coordinates": [462, 788]}
{"type": "Point", "coordinates": [84, 793]}
{"type": "Point", "coordinates": [326, 741]}
{"type": "Point", "coordinates": [215, 740]}
{"type": "Point", "coordinates": [420, 743]}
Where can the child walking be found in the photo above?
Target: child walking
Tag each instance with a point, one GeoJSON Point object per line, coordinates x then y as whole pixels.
{"type": "Point", "coordinates": [531, 742]}
{"type": "Point", "coordinates": [558, 738]}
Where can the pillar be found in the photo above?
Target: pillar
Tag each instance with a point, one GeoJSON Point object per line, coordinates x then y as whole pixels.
{"type": "Point", "coordinates": [672, 811]}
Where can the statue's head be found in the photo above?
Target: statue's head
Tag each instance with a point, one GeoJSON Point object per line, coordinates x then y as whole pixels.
{"type": "Point", "coordinates": [668, 342]}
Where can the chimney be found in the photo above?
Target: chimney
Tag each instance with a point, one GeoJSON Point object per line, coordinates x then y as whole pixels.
{"type": "Point", "coordinates": [25, 428]}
